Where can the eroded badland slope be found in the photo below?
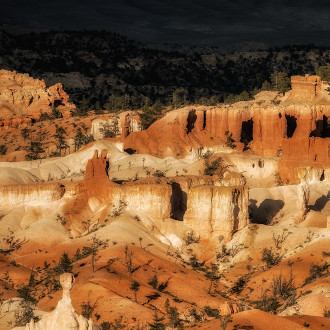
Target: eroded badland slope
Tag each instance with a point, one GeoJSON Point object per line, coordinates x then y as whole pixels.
{"type": "Point", "coordinates": [211, 214]}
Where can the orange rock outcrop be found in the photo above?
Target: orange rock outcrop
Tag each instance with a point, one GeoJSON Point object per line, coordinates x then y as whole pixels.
{"type": "Point", "coordinates": [208, 205]}
{"type": "Point", "coordinates": [288, 128]}
{"type": "Point", "coordinates": [305, 88]}
{"type": "Point", "coordinates": [98, 166]}
{"type": "Point", "coordinates": [23, 98]}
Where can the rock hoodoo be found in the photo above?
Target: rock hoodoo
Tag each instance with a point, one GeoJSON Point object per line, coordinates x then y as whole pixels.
{"type": "Point", "coordinates": [64, 316]}
{"type": "Point", "coordinates": [97, 167]}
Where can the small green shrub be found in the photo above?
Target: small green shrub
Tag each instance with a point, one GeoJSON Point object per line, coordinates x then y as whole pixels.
{"type": "Point", "coordinates": [270, 258]}
{"type": "Point", "coordinates": [240, 285]}
{"type": "Point", "coordinates": [326, 312]}
{"type": "Point", "coordinates": [317, 271]}
{"type": "Point", "coordinates": [159, 174]}
{"type": "Point", "coordinates": [154, 281]}
{"type": "Point", "coordinates": [211, 312]}
{"type": "Point", "coordinates": [3, 149]}
{"type": "Point", "coordinates": [191, 238]}
{"type": "Point", "coordinates": [269, 305]}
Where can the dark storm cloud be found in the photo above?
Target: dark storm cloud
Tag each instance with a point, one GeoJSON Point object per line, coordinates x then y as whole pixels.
{"type": "Point", "coordinates": [187, 21]}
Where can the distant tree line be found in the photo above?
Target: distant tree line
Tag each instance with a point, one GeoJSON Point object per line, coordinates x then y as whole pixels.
{"type": "Point", "coordinates": [278, 81]}
{"type": "Point", "coordinates": [106, 71]}
{"type": "Point", "coordinates": [324, 72]}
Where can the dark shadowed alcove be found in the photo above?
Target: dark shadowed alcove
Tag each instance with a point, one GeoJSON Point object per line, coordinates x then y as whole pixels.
{"type": "Point", "coordinates": [322, 129]}
{"type": "Point", "coordinates": [247, 131]}
{"type": "Point", "coordinates": [191, 121]}
{"type": "Point", "coordinates": [178, 202]}
{"type": "Point", "coordinates": [291, 125]}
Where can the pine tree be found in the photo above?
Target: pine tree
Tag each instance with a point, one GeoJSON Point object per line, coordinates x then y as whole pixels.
{"type": "Point", "coordinates": [266, 86]}
{"type": "Point", "coordinates": [173, 315]}
{"type": "Point", "coordinates": [3, 149]}
{"type": "Point", "coordinates": [324, 72]}
{"type": "Point", "coordinates": [157, 323]}
{"type": "Point", "coordinates": [280, 82]}
{"type": "Point", "coordinates": [179, 97]}
{"type": "Point", "coordinates": [32, 280]}
{"type": "Point", "coordinates": [212, 275]}
{"type": "Point", "coordinates": [65, 264]}
{"type": "Point", "coordinates": [60, 137]}
{"type": "Point", "coordinates": [135, 288]}
{"type": "Point", "coordinates": [154, 281]}
{"type": "Point", "coordinates": [82, 109]}
{"type": "Point", "coordinates": [230, 141]}
{"type": "Point", "coordinates": [34, 150]}
{"type": "Point", "coordinates": [98, 108]}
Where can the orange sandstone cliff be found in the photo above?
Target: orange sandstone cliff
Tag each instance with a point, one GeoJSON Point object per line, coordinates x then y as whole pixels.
{"type": "Point", "coordinates": [294, 128]}
{"type": "Point", "coordinates": [211, 206]}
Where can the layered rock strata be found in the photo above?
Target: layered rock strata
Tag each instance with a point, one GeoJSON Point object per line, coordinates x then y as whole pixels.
{"type": "Point", "coordinates": [217, 211]}
{"type": "Point", "coordinates": [23, 99]}
{"type": "Point", "coordinates": [208, 205]}
{"type": "Point", "coordinates": [294, 131]}
{"type": "Point", "coordinates": [30, 194]}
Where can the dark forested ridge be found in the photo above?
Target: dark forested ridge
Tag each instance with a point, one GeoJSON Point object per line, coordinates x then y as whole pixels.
{"type": "Point", "coordinates": [99, 67]}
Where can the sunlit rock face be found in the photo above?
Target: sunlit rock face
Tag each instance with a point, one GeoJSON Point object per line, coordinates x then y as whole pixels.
{"type": "Point", "coordinates": [23, 99]}
{"type": "Point", "coordinates": [30, 194]}
{"type": "Point", "coordinates": [305, 88]}
{"type": "Point", "coordinates": [121, 125]}
{"type": "Point", "coordinates": [64, 316]}
{"type": "Point", "coordinates": [210, 206]}
{"type": "Point", "coordinates": [153, 199]}
{"type": "Point", "coordinates": [294, 128]}
{"type": "Point", "coordinates": [217, 211]}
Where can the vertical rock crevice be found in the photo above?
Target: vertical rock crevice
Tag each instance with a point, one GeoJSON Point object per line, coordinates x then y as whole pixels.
{"type": "Point", "coordinates": [192, 117]}
{"type": "Point", "coordinates": [204, 120]}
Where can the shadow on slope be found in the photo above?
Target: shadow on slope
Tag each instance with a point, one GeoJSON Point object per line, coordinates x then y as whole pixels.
{"type": "Point", "coordinates": [320, 203]}
{"type": "Point", "coordinates": [265, 213]}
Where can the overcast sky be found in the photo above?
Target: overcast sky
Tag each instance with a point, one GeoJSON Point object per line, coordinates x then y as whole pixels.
{"type": "Point", "coordinates": [198, 22]}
